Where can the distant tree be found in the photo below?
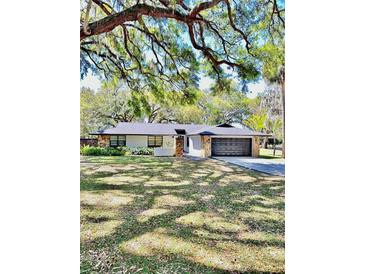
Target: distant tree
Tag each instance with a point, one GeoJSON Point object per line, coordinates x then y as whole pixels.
{"type": "Point", "coordinates": [208, 108]}
{"type": "Point", "coordinates": [105, 108]}
{"type": "Point", "coordinates": [159, 106]}
{"type": "Point", "coordinates": [190, 114]}
{"type": "Point", "coordinates": [229, 107]}
{"type": "Point", "coordinates": [273, 57]}
{"type": "Point", "coordinates": [270, 103]}
{"type": "Point", "coordinates": [113, 104]}
{"type": "Point", "coordinates": [256, 122]}
{"type": "Point", "coordinates": [275, 127]}
{"type": "Point", "coordinates": [88, 121]}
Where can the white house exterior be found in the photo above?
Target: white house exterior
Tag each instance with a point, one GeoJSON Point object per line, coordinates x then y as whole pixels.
{"type": "Point", "coordinates": [183, 139]}
{"type": "Point", "coordinates": [195, 145]}
{"type": "Point", "coordinates": [136, 141]}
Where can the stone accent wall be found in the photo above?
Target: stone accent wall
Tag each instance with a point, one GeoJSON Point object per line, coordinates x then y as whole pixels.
{"type": "Point", "coordinates": [206, 146]}
{"type": "Point", "coordinates": [103, 140]}
{"type": "Point", "coordinates": [255, 146]}
{"type": "Point", "coordinates": [179, 149]}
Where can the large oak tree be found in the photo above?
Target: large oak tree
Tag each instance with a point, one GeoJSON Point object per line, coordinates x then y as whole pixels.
{"type": "Point", "coordinates": [163, 47]}
{"type": "Point", "coordinates": [169, 44]}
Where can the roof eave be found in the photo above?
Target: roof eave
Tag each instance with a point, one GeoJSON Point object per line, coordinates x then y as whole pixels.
{"type": "Point", "coordinates": [238, 135]}
{"type": "Point", "coordinates": [137, 134]}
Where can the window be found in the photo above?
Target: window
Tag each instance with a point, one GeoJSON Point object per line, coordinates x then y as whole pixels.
{"type": "Point", "coordinates": [154, 141]}
{"type": "Point", "coordinates": [187, 141]}
{"type": "Point", "coordinates": [117, 140]}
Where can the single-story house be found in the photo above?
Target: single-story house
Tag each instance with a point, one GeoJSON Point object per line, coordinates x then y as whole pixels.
{"type": "Point", "coordinates": [179, 139]}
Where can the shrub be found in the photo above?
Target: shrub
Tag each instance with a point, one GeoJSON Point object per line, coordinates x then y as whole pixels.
{"type": "Point", "coordinates": [124, 150]}
{"type": "Point", "coordinates": [119, 151]}
{"type": "Point", "coordinates": [100, 151]}
{"type": "Point", "coordinates": [141, 151]}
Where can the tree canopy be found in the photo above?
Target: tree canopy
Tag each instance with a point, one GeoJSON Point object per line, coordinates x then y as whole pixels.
{"type": "Point", "coordinates": [168, 45]}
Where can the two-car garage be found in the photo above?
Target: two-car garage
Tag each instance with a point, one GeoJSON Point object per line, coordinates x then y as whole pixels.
{"type": "Point", "coordinates": [232, 147]}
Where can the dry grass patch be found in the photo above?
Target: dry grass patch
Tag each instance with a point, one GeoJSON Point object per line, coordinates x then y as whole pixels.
{"type": "Point", "coordinates": [166, 183]}
{"type": "Point", "coordinates": [112, 198]}
{"type": "Point", "coordinates": [236, 178]}
{"type": "Point", "coordinates": [171, 201]}
{"type": "Point", "coordinates": [123, 179]}
{"type": "Point", "coordinates": [209, 220]}
{"type": "Point", "coordinates": [92, 231]}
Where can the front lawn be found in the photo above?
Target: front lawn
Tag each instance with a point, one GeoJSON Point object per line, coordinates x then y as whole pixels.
{"type": "Point", "coordinates": [143, 214]}
{"type": "Point", "coordinates": [269, 153]}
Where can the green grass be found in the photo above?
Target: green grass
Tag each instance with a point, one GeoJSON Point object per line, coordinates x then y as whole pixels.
{"type": "Point", "coordinates": [142, 214]}
{"type": "Point", "coordinates": [269, 153]}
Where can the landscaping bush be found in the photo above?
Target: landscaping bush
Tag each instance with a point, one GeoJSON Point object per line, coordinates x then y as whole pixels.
{"type": "Point", "coordinates": [100, 151]}
{"type": "Point", "coordinates": [119, 151]}
{"type": "Point", "coordinates": [141, 151]}
{"type": "Point", "coordinates": [124, 151]}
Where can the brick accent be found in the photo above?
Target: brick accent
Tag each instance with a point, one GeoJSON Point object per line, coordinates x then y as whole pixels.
{"type": "Point", "coordinates": [206, 146]}
{"type": "Point", "coordinates": [103, 140]}
{"type": "Point", "coordinates": [179, 149]}
{"type": "Point", "coordinates": [255, 146]}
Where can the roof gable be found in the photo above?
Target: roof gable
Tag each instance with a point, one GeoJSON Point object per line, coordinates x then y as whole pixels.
{"type": "Point", "coordinates": [224, 125]}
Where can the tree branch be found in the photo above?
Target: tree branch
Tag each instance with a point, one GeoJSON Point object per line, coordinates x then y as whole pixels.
{"type": "Point", "coordinates": [103, 6]}
{"type": "Point", "coordinates": [207, 51]}
{"type": "Point", "coordinates": [204, 6]}
{"type": "Point", "coordinates": [108, 23]}
{"type": "Point", "coordinates": [231, 22]}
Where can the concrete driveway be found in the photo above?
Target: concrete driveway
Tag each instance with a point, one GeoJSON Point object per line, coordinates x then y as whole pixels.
{"type": "Point", "coordinates": [270, 166]}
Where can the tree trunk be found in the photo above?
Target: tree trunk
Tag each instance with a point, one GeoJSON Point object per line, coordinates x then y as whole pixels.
{"type": "Point", "coordinates": [264, 142]}
{"type": "Point", "coordinates": [282, 85]}
{"type": "Point", "coordinates": [274, 146]}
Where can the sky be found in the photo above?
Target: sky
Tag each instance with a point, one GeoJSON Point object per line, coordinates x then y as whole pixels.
{"type": "Point", "coordinates": [91, 81]}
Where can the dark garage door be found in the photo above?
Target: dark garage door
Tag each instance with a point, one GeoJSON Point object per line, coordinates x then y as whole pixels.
{"type": "Point", "coordinates": [231, 146]}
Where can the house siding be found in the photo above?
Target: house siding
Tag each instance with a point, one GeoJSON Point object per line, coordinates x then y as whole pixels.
{"type": "Point", "coordinates": [168, 141]}
{"type": "Point", "coordinates": [186, 149]}
{"type": "Point", "coordinates": [136, 141]}
{"type": "Point", "coordinates": [195, 146]}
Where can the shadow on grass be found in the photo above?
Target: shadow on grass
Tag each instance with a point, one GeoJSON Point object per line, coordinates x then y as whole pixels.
{"type": "Point", "coordinates": [209, 197]}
